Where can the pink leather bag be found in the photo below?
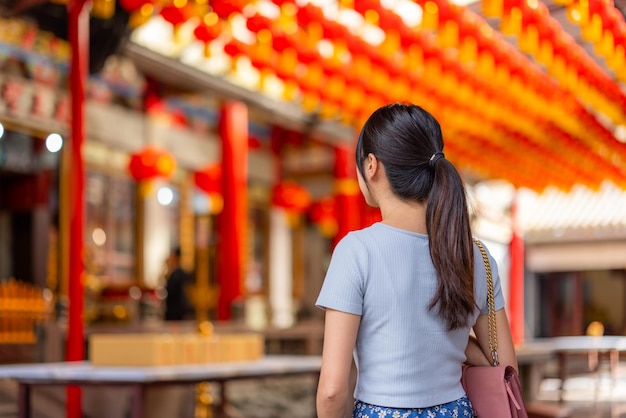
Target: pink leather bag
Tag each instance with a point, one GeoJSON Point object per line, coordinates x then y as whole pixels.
{"type": "Point", "coordinates": [494, 391]}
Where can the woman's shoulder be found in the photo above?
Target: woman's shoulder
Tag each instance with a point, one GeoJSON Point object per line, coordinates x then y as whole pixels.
{"type": "Point", "coordinates": [355, 238]}
{"type": "Point", "coordinates": [380, 235]}
{"type": "Point", "coordinates": [359, 239]}
{"type": "Point", "coordinates": [368, 235]}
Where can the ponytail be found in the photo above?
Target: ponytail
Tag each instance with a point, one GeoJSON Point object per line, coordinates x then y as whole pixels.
{"type": "Point", "coordinates": [451, 245]}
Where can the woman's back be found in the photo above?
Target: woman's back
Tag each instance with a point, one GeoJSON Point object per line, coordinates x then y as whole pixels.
{"type": "Point", "coordinates": [405, 355]}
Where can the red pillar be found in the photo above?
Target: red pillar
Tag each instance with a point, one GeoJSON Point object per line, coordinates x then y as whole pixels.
{"type": "Point", "coordinates": [516, 280]}
{"type": "Point", "coordinates": [347, 192]}
{"type": "Point", "coordinates": [78, 31]}
{"type": "Point", "coordinates": [232, 221]}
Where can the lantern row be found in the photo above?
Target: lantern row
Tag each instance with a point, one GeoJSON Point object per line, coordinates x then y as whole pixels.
{"type": "Point", "coordinates": [454, 89]}
{"type": "Point", "coordinates": [600, 142]}
{"type": "Point", "coordinates": [444, 15]}
{"type": "Point", "coordinates": [603, 25]}
{"type": "Point", "coordinates": [475, 31]}
{"type": "Point", "coordinates": [543, 37]}
{"type": "Point", "coordinates": [393, 24]}
{"type": "Point", "coordinates": [515, 97]}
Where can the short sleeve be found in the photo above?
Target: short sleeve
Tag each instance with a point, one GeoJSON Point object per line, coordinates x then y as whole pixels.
{"type": "Point", "coordinates": [497, 286]}
{"type": "Point", "coordinates": [342, 289]}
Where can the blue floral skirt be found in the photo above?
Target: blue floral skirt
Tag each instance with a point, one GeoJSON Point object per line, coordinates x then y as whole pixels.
{"type": "Point", "coordinates": [461, 408]}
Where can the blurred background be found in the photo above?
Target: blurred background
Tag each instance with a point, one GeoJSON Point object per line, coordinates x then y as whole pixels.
{"type": "Point", "coordinates": [225, 129]}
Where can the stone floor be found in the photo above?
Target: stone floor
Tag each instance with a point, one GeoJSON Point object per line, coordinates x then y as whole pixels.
{"type": "Point", "coordinates": [274, 398]}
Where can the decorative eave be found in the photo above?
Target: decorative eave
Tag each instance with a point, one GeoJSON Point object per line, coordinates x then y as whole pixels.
{"type": "Point", "coordinates": [583, 215]}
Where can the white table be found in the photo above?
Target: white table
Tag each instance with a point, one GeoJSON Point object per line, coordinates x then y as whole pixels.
{"type": "Point", "coordinates": [139, 378]}
{"type": "Point", "coordinates": [564, 348]}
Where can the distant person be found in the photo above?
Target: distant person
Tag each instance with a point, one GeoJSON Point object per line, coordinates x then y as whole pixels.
{"type": "Point", "coordinates": [178, 307]}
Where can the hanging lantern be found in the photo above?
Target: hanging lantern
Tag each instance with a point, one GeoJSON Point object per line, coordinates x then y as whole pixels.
{"type": "Point", "coordinates": [430, 17]}
{"type": "Point", "coordinates": [281, 3]}
{"type": "Point", "coordinates": [133, 5]}
{"type": "Point", "coordinates": [492, 8]}
{"type": "Point", "coordinates": [141, 16]}
{"type": "Point", "coordinates": [226, 8]}
{"type": "Point", "coordinates": [150, 163]}
{"type": "Point", "coordinates": [323, 213]}
{"type": "Point", "coordinates": [209, 29]}
{"type": "Point", "coordinates": [281, 42]}
{"type": "Point", "coordinates": [204, 34]}
{"type": "Point", "coordinates": [257, 23]}
{"type": "Point", "coordinates": [234, 49]}
{"type": "Point", "coordinates": [334, 88]}
{"type": "Point", "coordinates": [284, 68]}
{"type": "Point", "coordinates": [292, 197]}
{"type": "Point", "coordinates": [309, 15]}
{"type": "Point", "coordinates": [209, 180]}
{"type": "Point", "coordinates": [307, 55]}
{"type": "Point", "coordinates": [287, 61]}
{"type": "Point", "coordinates": [176, 16]}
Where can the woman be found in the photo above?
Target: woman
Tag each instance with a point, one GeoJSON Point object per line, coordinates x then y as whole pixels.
{"type": "Point", "coordinates": [403, 295]}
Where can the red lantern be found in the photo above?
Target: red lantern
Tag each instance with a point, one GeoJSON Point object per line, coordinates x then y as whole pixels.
{"type": "Point", "coordinates": [225, 8]}
{"type": "Point", "coordinates": [209, 179]}
{"type": "Point", "coordinates": [254, 143]}
{"type": "Point", "coordinates": [151, 162]}
{"type": "Point", "coordinates": [334, 31]}
{"type": "Point", "coordinates": [258, 22]}
{"type": "Point", "coordinates": [140, 11]}
{"type": "Point", "coordinates": [389, 20]}
{"type": "Point", "coordinates": [281, 41]}
{"type": "Point", "coordinates": [233, 48]}
{"type": "Point", "coordinates": [133, 5]}
{"type": "Point", "coordinates": [291, 197]}
{"type": "Point", "coordinates": [176, 16]}
{"type": "Point", "coordinates": [309, 14]}
{"type": "Point", "coordinates": [323, 213]}
{"type": "Point", "coordinates": [363, 6]}
{"type": "Point", "coordinates": [206, 33]}
{"type": "Point", "coordinates": [280, 3]}
{"type": "Point", "coordinates": [323, 208]}
{"type": "Point", "coordinates": [307, 55]}
{"type": "Point", "coordinates": [260, 58]}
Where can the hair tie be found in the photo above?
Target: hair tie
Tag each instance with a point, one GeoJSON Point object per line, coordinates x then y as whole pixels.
{"type": "Point", "coordinates": [435, 157]}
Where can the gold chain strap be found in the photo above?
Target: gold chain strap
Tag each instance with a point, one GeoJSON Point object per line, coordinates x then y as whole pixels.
{"type": "Point", "coordinates": [491, 304]}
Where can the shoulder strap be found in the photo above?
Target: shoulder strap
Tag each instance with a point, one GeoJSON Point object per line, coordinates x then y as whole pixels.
{"type": "Point", "coordinates": [493, 336]}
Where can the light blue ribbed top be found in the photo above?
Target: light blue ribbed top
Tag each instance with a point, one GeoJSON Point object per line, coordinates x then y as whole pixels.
{"type": "Point", "coordinates": [405, 356]}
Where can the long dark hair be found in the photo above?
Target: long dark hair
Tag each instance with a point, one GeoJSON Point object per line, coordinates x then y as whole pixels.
{"type": "Point", "coordinates": [408, 141]}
